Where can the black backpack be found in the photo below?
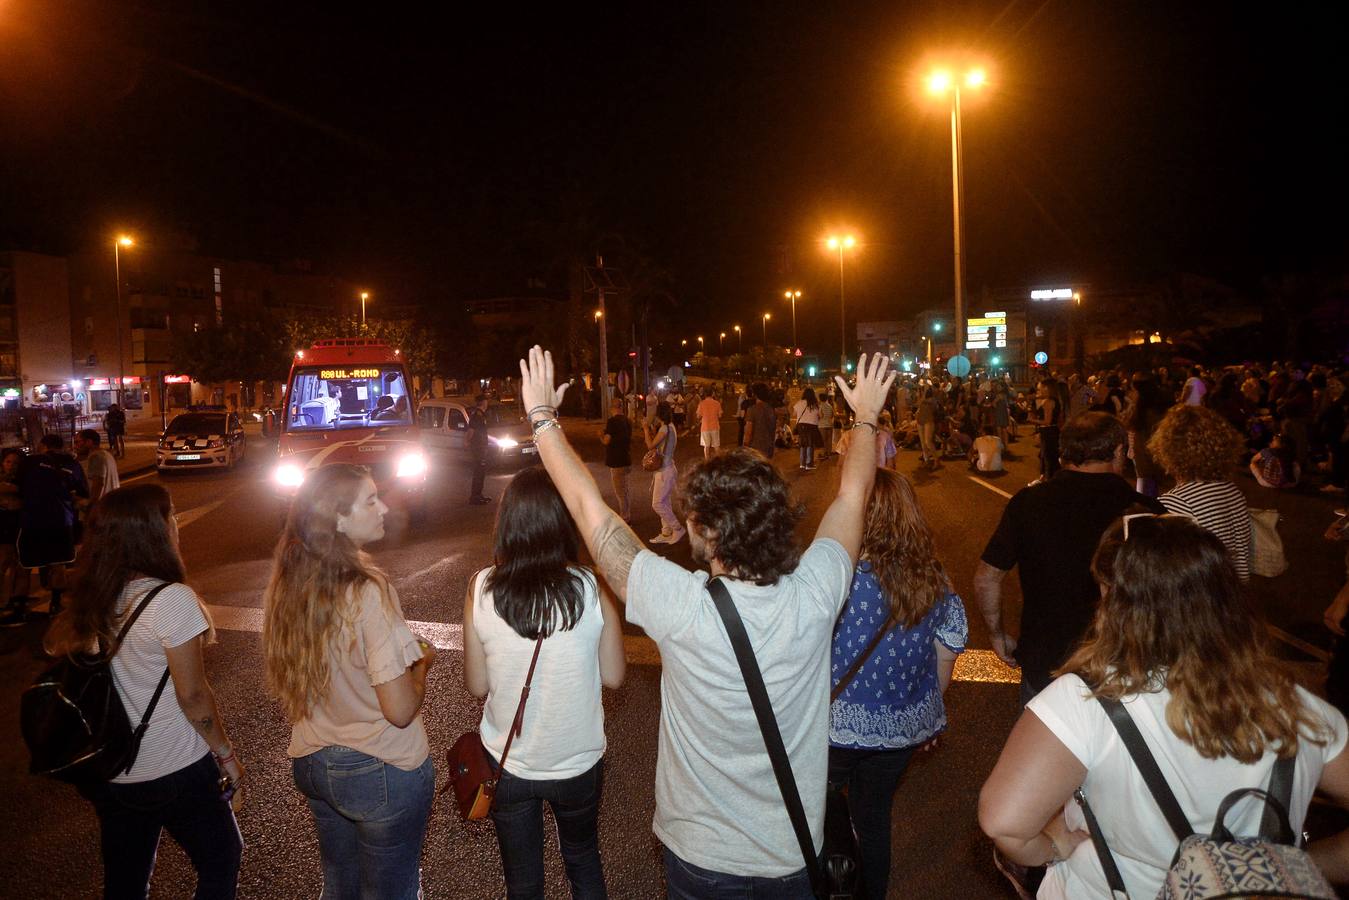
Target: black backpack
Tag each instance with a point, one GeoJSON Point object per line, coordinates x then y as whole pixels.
{"type": "Point", "coordinates": [73, 720]}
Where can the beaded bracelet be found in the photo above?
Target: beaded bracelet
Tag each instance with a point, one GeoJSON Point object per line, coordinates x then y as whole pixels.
{"type": "Point", "coordinates": [551, 409]}
{"type": "Point", "coordinates": [544, 424]}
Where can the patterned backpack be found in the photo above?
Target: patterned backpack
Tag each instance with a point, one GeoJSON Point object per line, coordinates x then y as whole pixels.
{"type": "Point", "coordinates": [1218, 866]}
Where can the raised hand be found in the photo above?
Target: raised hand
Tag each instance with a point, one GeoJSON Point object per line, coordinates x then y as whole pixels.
{"type": "Point", "coordinates": [536, 380]}
{"type": "Point", "coordinates": [867, 397]}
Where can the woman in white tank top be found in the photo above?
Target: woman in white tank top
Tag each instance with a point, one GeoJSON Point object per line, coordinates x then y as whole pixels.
{"type": "Point", "coordinates": [536, 591]}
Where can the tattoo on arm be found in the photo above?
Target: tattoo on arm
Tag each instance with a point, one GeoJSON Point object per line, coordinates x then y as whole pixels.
{"type": "Point", "coordinates": [615, 547]}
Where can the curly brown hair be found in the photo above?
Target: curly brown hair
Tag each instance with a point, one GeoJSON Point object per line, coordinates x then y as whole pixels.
{"type": "Point", "coordinates": [742, 505]}
{"type": "Point", "coordinates": [1194, 443]}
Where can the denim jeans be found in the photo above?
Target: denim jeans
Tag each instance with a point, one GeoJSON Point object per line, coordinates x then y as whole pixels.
{"type": "Point", "coordinates": [188, 805]}
{"type": "Point", "coordinates": [518, 816]}
{"type": "Point", "coordinates": [371, 820]}
{"type": "Point", "coordinates": [871, 777]}
{"type": "Point", "coordinates": [685, 881]}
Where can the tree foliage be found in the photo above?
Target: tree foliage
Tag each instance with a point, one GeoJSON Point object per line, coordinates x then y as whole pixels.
{"type": "Point", "coordinates": [238, 351]}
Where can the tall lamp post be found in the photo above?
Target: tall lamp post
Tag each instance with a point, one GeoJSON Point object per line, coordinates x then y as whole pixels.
{"type": "Point", "coordinates": [124, 240]}
{"type": "Point", "coordinates": [721, 340]}
{"type": "Point", "coordinates": [793, 296]}
{"type": "Point", "coordinates": [840, 243]}
{"type": "Point", "coordinates": [365, 295]}
{"type": "Point", "coordinates": [943, 82]}
{"type": "Point", "coordinates": [739, 341]}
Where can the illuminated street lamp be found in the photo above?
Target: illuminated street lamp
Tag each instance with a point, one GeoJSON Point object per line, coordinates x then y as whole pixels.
{"type": "Point", "coordinates": [700, 343]}
{"type": "Point", "coordinates": [123, 240]}
{"type": "Point", "coordinates": [739, 341]}
{"type": "Point", "coordinates": [841, 243]}
{"type": "Point", "coordinates": [365, 295]}
{"type": "Point", "coordinates": [766, 317]}
{"type": "Point", "coordinates": [720, 340]}
{"type": "Point", "coordinates": [793, 296]}
{"type": "Point", "coordinates": [944, 82]}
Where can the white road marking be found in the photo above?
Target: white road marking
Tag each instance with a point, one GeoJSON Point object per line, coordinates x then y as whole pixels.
{"type": "Point", "coordinates": [149, 474]}
{"type": "Point", "coordinates": [187, 518]}
{"type": "Point", "coordinates": [982, 483]}
{"type": "Point", "coordinates": [422, 573]}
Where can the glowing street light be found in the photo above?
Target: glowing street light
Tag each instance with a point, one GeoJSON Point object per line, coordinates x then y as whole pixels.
{"type": "Point", "coordinates": [793, 296]}
{"type": "Point", "coordinates": [841, 243]}
{"type": "Point", "coordinates": [700, 343]}
{"type": "Point", "coordinates": [365, 295]}
{"type": "Point", "coordinates": [123, 240]}
{"type": "Point", "coordinates": [944, 82]}
{"type": "Point", "coordinates": [720, 340]}
{"type": "Point", "coordinates": [739, 340]}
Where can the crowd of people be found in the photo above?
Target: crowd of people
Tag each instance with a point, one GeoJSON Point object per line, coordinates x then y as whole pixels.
{"type": "Point", "coordinates": [1127, 596]}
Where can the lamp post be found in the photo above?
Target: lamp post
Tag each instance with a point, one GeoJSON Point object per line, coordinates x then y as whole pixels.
{"type": "Point", "coordinates": [793, 296]}
{"type": "Point", "coordinates": [124, 240]}
{"type": "Point", "coordinates": [943, 82]}
{"type": "Point", "coordinates": [365, 295]}
{"type": "Point", "coordinates": [721, 340]}
{"type": "Point", "coordinates": [700, 343]}
{"type": "Point", "coordinates": [841, 243]}
{"type": "Point", "coordinates": [766, 317]}
{"type": "Point", "coordinates": [739, 341]}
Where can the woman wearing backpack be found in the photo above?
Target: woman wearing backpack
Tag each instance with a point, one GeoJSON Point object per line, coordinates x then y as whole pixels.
{"type": "Point", "coordinates": [536, 592]}
{"type": "Point", "coordinates": [186, 773]}
{"type": "Point", "coordinates": [1177, 641]}
{"type": "Point", "coordinates": [351, 678]}
{"type": "Point", "coordinates": [901, 606]}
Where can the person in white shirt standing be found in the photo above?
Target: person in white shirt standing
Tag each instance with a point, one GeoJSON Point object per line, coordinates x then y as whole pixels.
{"type": "Point", "coordinates": [1195, 388]}
{"type": "Point", "coordinates": [719, 812]}
{"type": "Point", "coordinates": [100, 468]}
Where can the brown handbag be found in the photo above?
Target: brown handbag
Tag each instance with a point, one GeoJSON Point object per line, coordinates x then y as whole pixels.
{"type": "Point", "coordinates": [472, 773]}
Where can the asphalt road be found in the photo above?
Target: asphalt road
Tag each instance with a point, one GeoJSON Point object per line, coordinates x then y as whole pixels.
{"type": "Point", "coordinates": [229, 526]}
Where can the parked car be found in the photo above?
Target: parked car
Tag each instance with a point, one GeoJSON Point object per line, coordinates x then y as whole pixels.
{"type": "Point", "coordinates": [444, 428]}
{"type": "Point", "coordinates": [202, 439]}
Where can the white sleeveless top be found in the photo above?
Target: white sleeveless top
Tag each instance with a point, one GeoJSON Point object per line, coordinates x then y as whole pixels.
{"type": "Point", "coordinates": [563, 732]}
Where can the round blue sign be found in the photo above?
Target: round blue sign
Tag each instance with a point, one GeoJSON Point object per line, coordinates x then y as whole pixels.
{"type": "Point", "coordinates": [1042, 357]}
{"type": "Point", "coordinates": [958, 366]}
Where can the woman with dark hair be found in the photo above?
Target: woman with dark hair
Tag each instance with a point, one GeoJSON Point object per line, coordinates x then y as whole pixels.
{"type": "Point", "coordinates": [186, 777]}
{"type": "Point", "coordinates": [663, 435]}
{"type": "Point", "coordinates": [351, 678]}
{"type": "Point", "coordinates": [1177, 641]}
{"type": "Point", "coordinates": [536, 597]}
{"type": "Point", "coordinates": [806, 411]}
{"type": "Point", "coordinates": [1049, 404]}
{"type": "Point", "coordinates": [901, 606]}
{"type": "Point", "coordinates": [1150, 403]}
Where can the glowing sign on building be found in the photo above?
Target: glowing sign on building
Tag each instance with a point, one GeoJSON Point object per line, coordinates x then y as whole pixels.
{"type": "Point", "coordinates": [1052, 294]}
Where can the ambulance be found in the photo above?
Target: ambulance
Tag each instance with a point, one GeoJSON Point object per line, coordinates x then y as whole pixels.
{"type": "Point", "coordinates": [349, 400]}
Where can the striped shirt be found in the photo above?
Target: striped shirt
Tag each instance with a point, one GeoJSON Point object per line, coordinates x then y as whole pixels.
{"type": "Point", "coordinates": [1219, 506]}
{"type": "Point", "coordinates": [173, 618]}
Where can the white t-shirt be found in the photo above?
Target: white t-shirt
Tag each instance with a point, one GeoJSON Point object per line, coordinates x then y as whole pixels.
{"type": "Point", "coordinates": [1135, 830]}
{"type": "Point", "coordinates": [101, 464]}
{"type": "Point", "coordinates": [805, 415]}
{"type": "Point", "coordinates": [1194, 391]}
{"type": "Point", "coordinates": [989, 448]}
{"type": "Point", "coordinates": [563, 731]}
{"type": "Point", "coordinates": [173, 618]}
{"type": "Point", "coordinates": [717, 803]}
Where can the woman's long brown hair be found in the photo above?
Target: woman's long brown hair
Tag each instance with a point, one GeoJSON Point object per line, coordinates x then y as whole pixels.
{"type": "Point", "coordinates": [316, 574]}
{"type": "Point", "coordinates": [897, 541]}
{"type": "Point", "coordinates": [1174, 614]}
{"type": "Point", "coordinates": [127, 537]}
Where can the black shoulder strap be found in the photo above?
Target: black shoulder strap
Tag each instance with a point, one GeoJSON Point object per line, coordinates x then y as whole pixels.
{"type": "Point", "coordinates": [1281, 789]}
{"type": "Point", "coordinates": [121, 636]}
{"type": "Point", "coordinates": [1147, 767]}
{"type": "Point", "coordinates": [768, 724]}
{"type": "Point", "coordinates": [862, 658]}
{"type": "Point", "coordinates": [1112, 876]}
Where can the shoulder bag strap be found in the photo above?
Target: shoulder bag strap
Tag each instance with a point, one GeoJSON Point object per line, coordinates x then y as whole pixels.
{"type": "Point", "coordinates": [121, 636]}
{"type": "Point", "coordinates": [1147, 767]}
{"type": "Point", "coordinates": [1112, 875]}
{"type": "Point", "coordinates": [861, 660]}
{"type": "Point", "coordinates": [519, 723]}
{"type": "Point", "coordinates": [1281, 789]}
{"type": "Point", "coordinates": [768, 724]}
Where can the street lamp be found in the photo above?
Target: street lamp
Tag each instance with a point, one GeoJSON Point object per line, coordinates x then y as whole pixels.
{"type": "Point", "coordinates": [720, 340]}
{"type": "Point", "coordinates": [944, 82]}
{"type": "Point", "coordinates": [739, 341]}
{"type": "Point", "coordinates": [700, 343]}
{"type": "Point", "coordinates": [793, 296]}
{"type": "Point", "coordinates": [841, 243]}
{"type": "Point", "coordinates": [365, 295]}
{"type": "Point", "coordinates": [766, 317]}
{"type": "Point", "coordinates": [124, 240]}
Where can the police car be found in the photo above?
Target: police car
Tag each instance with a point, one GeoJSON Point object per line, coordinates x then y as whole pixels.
{"type": "Point", "coordinates": [201, 439]}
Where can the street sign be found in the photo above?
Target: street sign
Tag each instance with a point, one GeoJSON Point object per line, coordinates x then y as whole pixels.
{"type": "Point", "coordinates": [958, 366]}
{"type": "Point", "coordinates": [1042, 357]}
{"type": "Point", "coordinates": [798, 351]}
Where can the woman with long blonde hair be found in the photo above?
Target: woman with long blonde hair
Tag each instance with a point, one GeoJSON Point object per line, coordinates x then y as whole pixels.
{"type": "Point", "coordinates": [1177, 642]}
{"type": "Point", "coordinates": [901, 609]}
{"type": "Point", "coordinates": [351, 678]}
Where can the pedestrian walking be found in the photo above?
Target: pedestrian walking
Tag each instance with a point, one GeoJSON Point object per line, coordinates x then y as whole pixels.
{"type": "Point", "coordinates": [806, 412]}
{"type": "Point", "coordinates": [114, 422]}
{"type": "Point", "coordinates": [186, 778]}
{"type": "Point", "coordinates": [720, 813]}
{"type": "Point", "coordinates": [662, 435]}
{"type": "Point", "coordinates": [477, 445]}
{"type": "Point", "coordinates": [742, 408]}
{"type": "Point", "coordinates": [900, 606]}
{"type": "Point", "coordinates": [50, 484]}
{"type": "Point", "coordinates": [351, 677]}
{"type": "Point", "coordinates": [826, 425]}
{"type": "Point", "coordinates": [929, 410]}
{"type": "Point", "coordinates": [617, 440]}
{"type": "Point", "coordinates": [536, 603]}
{"type": "Point", "coordinates": [100, 469]}
{"type": "Point", "coordinates": [709, 423]}
{"type": "Point", "coordinates": [1049, 419]}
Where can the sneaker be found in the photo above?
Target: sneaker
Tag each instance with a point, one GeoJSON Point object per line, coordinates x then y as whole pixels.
{"type": "Point", "coordinates": [14, 615]}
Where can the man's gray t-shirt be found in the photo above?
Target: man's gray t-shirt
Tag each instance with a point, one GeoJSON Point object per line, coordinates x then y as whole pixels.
{"type": "Point", "coordinates": [717, 803]}
{"type": "Point", "coordinates": [101, 464]}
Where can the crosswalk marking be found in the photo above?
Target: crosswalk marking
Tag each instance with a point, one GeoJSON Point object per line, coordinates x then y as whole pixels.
{"type": "Point", "coordinates": [982, 483]}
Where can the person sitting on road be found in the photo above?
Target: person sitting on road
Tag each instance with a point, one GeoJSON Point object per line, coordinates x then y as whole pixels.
{"type": "Point", "coordinates": [351, 678]}
{"type": "Point", "coordinates": [1177, 640]}
{"type": "Point", "coordinates": [537, 593]}
{"type": "Point", "coordinates": [719, 812]}
{"type": "Point", "coordinates": [986, 454]}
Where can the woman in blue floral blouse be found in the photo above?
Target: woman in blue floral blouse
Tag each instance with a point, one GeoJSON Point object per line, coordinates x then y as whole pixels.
{"type": "Point", "coordinates": [893, 705]}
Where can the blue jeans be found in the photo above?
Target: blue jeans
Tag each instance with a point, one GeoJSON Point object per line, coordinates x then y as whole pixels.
{"type": "Point", "coordinates": [187, 804]}
{"type": "Point", "coordinates": [685, 881]}
{"type": "Point", "coordinates": [871, 777]}
{"type": "Point", "coordinates": [371, 820]}
{"type": "Point", "coordinates": [518, 816]}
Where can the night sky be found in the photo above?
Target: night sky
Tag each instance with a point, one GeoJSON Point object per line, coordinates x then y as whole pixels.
{"type": "Point", "coordinates": [424, 152]}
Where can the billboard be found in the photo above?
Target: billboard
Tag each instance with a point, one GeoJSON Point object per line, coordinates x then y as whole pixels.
{"type": "Point", "coordinates": [988, 331]}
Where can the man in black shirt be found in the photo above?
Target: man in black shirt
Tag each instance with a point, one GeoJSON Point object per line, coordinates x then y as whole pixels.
{"type": "Point", "coordinates": [48, 482]}
{"type": "Point", "coordinates": [617, 440]}
{"type": "Point", "coordinates": [1051, 531]}
{"type": "Point", "coordinates": [477, 443]}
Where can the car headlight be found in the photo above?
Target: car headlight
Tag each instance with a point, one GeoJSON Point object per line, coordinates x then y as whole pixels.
{"type": "Point", "coordinates": [215, 445]}
{"type": "Point", "coordinates": [411, 465]}
{"type": "Point", "coordinates": [505, 443]}
{"type": "Point", "coordinates": [289, 475]}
